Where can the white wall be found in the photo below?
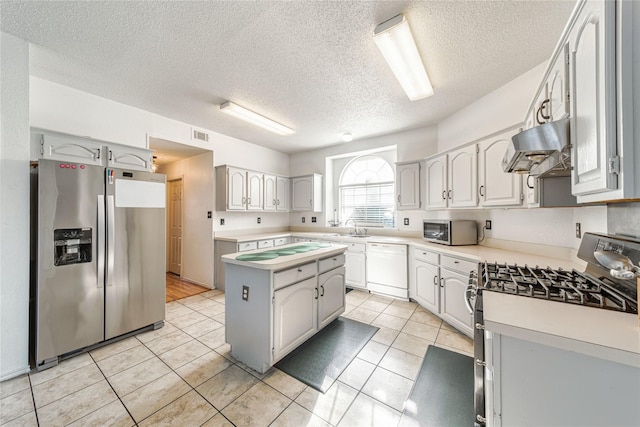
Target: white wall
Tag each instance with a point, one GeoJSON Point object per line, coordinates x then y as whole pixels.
{"type": "Point", "coordinates": [197, 199]}
{"type": "Point", "coordinates": [498, 110]}
{"type": "Point", "coordinates": [14, 206]}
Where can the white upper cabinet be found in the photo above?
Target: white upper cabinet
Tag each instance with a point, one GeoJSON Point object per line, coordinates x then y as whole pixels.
{"type": "Point", "coordinates": [557, 86]}
{"type": "Point", "coordinates": [408, 186]}
{"type": "Point", "coordinates": [254, 191]}
{"type": "Point", "coordinates": [307, 193]}
{"type": "Point", "coordinates": [236, 189]}
{"type": "Point", "coordinates": [270, 202]}
{"type": "Point", "coordinates": [282, 194]}
{"type": "Point", "coordinates": [497, 188]}
{"type": "Point", "coordinates": [436, 182]}
{"type": "Point", "coordinates": [593, 106]}
{"type": "Point", "coordinates": [463, 177]}
{"type": "Point", "coordinates": [68, 148]}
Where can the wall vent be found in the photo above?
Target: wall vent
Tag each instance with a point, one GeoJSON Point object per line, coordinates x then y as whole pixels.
{"type": "Point", "coordinates": [199, 135]}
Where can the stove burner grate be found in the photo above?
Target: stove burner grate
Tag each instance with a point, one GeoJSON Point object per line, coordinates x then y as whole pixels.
{"type": "Point", "coordinates": [553, 284]}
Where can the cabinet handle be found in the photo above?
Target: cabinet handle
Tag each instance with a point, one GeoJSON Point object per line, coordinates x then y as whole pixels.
{"type": "Point", "coordinates": [539, 113]}
{"type": "Point", "coordinates": [449, 193]}
{"type": "Point", "coordinates": [248, 200]}
{"type": "Point", "coordinates": [441, 285]}
{"type": "Point", "coordinates": [444, 194]}
{"type": "Point", "coordinates": [322, 287]}
{"type": "Point", "coordinates": [299, 270]}
{"type": "Point", "coordinates": [274, 202]}
{"type": "Point", "coordinates": [529, 185]}
{"type": "Point", "coordinates": [335, 259]}
{"type": "Point", "coordinates": [480, 191]}
{"type": "Point", "coordinates": [110, 155]}
{"type": "Point", "coordinates": [316, 293]}
{"type": "Point", "coordinates": [98, 154]}
{"type": "Point", "coordinates": [435, 280]}
{"type": "Point", "coordinates": [398, 198]}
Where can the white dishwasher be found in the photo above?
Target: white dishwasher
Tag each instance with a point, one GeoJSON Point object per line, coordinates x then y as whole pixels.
{"type": "Point", "coordinates": [387, 269]}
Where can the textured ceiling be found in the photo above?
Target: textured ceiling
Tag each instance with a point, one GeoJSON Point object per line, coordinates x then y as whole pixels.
{"type": "Point", "coordinates": [310, 65]}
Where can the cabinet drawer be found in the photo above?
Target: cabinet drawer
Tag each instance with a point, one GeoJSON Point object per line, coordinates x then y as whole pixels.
{"type": "Point", "coordinates": [330, 263]}
{"type": "Point", "coordinates": [281, 241]}
{"type": "Point", "coordinates": [457, 264]}
{"type": "Point", "coordinates": [356, 247]}
{"type": "Point", "coordinates": [292, 275]}
{"type": "Point", "coordinates": [265, 243]}
{"type": "Point", "coordinates": [426, 256]}
{"type": "Point", "coordinates": [247, 246]}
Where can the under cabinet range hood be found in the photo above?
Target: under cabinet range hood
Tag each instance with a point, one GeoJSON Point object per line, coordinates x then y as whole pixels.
{"type": "Point", "coordinates": [541, 150]}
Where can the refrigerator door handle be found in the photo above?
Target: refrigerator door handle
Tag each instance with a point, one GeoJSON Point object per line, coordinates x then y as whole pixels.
{"type": "Point", "coordinates": [111, 236]}
{"type": "Point", "coordinates": [100, 243]}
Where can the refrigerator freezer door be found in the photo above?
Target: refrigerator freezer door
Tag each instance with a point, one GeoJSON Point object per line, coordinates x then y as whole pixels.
{"type": "Point", "coordinates": [135, 284]}
{"type": "Point", "coordinates": [69, 297]}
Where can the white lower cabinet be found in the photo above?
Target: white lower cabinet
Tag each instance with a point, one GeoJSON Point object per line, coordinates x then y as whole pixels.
{"type": "Point", "coordinates": [356, 266]}
{"type": "Point", "coordinates": [331, 300]}
{"type": "Point", "coordinates": [424, 277]}
{"type": "Point", "coordinates": [452, 306]}
{"type": "Point", "coordinates": [270, 313]}
{"type": "Point", "coordinates": [438, 282]}
{"type": "Point", "coordinates": [295, 316]}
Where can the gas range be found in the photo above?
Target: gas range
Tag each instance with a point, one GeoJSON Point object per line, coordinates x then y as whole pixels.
{"type": "Point", "coordinates": [595, 287]}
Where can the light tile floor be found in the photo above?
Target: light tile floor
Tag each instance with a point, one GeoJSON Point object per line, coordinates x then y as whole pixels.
{"type": "Point", "coordinates": [183, 375]}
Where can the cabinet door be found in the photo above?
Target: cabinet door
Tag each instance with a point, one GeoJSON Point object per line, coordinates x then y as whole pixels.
{"type": "Point", "coordinates": [558, 86]}
{"type": "Point", "coordinates": [531, 184]}
{"type": "Point", "coordinates": [463, 177]}
{"type": "Point", "coordinates": [129, 158]}
{"type": "Point", "coordinates": [593, 119]}
{"type": "Point", "coordinates": [436, 182]}
{"type": "Point", "coordinates": [254, 191]}
{"type": "Point", "coordinates": [236, 189]}
{"type": "Point", "coordinates": [282, 194]}
{"type": "Point", "coordinates": [71, 149]}
{"type": "Point", "coordinates": [295, 316]}
{"type": "Point", "coordinates": [408, 186]}
{"type": "Point", "coordinates": [270, 201]}
{"type": "Point", "coordinates": [355, 264]}
{"type": "Point", "coordinates": [331, 300]}
{"type": "Point", "coordinates": [302, 191]}
{"type": "Point", "coordinates": [453, 308]}
{"type": "Point", "coordinates": [497, 188]}
{"type": "Point", "coordinates": [425, 280]}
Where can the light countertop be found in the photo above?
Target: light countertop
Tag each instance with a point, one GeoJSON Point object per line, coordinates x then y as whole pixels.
{"type": "Point", "coordinates": [472, 252]}
{"type": "Point", "coordinates": [287, 261]}
{"type": "Point", "coordinates": [607, 334]}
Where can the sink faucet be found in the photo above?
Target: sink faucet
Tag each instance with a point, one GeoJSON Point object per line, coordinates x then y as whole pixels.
{"type": "Point", "coordinates": [355, 227]}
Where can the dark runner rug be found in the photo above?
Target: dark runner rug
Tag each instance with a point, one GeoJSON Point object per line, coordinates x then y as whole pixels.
{"type": "Point", "coordinates": [443, 392]}
{"type": "Point", "coordinates": [320, 360]}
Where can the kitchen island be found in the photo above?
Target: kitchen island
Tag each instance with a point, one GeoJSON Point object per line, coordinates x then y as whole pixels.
{"type": "Point", "coordinates": [277, 299]}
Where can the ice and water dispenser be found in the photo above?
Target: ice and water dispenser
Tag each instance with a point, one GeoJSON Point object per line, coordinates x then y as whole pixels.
{"type": "Point", "coordinates": [72, 246]}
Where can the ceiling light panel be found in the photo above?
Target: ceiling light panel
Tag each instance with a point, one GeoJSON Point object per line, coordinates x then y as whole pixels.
{"type": "Point", "coordinates": [255, 118]}
{"type": "Point", "coordinates": [394, 39]}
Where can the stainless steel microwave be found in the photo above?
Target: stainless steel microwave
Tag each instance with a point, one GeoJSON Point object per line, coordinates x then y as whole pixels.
{"type": "Point", "coordinates": [453, 232]}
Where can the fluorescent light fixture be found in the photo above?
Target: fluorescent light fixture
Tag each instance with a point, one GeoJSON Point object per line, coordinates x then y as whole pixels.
{"type": "Point", "coordinates": [396, 43]}
{"type": "Point", "coordinates": [254, 118]}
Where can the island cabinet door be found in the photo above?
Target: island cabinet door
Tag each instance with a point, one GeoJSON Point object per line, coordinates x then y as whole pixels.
{"type": "Point", "coordinates": [295, 316]}
{"type": "Point", "coordinates": [331, 299]}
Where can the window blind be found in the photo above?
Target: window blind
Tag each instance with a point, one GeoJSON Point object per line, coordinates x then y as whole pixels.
{"type": "Point", "coordinates": [370, 205]}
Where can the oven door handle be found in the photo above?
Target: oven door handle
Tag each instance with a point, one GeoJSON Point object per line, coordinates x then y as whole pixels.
{"type": "Point", "coordinates": [467, 297]}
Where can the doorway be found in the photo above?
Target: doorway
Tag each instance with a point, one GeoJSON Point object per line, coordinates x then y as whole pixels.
{"type": "Point", "coordinates": [174, 264]}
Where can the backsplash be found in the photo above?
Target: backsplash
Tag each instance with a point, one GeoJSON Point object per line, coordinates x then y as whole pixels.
{"type": "Point", "coordinates": [624, 218]}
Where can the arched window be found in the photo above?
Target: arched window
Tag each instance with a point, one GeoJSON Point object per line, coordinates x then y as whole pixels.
{"type": "Point", "coordinates": [366, 191]}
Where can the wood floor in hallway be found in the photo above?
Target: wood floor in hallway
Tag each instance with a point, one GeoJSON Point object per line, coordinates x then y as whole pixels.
{"type": "Point", "coordinates": [178, 289]}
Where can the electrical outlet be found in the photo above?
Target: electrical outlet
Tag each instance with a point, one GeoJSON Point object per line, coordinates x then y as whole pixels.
{"type": "Point", "coordinates": [304, 220]}
{"type": "Point", "coordinates": [487, 224]}
{"type": "Point", "coordinates": [313, 219]}
{"type": "Point", "coordinates": [259, 220]}
{"type": "Point", "coordinates": [245, 293]}
{"type": "Point", "coordinates": [406, 221]}
{"type": "Point", "coordinates": [221, 221]}
{"type": "Point", "coordinates": [209, 214]}
{"type": "Point", "coordinates": [578, 230]}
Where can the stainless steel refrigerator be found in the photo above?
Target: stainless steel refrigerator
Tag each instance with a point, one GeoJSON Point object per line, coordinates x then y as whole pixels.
{"type": "Point", "coordinates": [98, 256]}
